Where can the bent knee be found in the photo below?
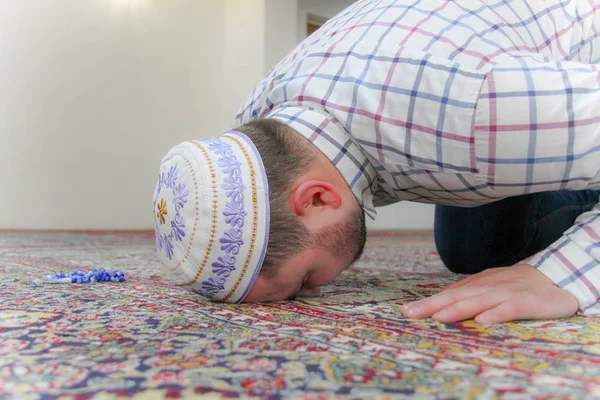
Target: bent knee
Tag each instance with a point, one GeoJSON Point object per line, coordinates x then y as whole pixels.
{"type": "Point", "coordinates": [459, 257]}
{"type": "Point", "coordinates": [460, 263]}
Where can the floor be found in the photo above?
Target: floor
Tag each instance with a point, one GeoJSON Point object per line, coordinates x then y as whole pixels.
{"type": "Point", "coordinates": [145, 337]}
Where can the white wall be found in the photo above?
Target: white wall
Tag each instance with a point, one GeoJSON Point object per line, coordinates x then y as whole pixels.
{"type": "Point", "coordinates": [244, 51]}
{"type": "Point", "coordinates": [93, 95]}
{"type": "Point", "coordinates": [95, 92]}
{"type": "Point", "coordinates": [403, 215]}
{"type": "Point", "coordinates": [280, 30]}
{"type": "Point", "coordinates": [322, 8]}
{"type": "Point", "coordinates": [258, 34]}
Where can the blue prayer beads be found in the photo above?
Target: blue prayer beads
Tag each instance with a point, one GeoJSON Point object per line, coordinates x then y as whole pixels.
{"type": "Point", "coordinates": [97, 275]}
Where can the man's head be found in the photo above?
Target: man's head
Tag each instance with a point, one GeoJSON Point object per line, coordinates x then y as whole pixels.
{"type": "Point", "coordinates": [256, 214]}
{"type": "Point", "coordinates": [317, 228]}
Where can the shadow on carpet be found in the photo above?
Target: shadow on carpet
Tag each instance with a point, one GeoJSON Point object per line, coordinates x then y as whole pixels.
{"type": "Point", "coordinates": [145, 338]}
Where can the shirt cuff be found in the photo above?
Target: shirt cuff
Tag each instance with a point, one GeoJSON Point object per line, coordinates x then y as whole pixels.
{"type": "Point", "coordinates": [570, 264]}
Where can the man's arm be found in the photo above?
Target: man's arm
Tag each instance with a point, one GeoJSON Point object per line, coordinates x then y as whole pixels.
{"type": "Point", "coordinates": [497, 295]}
{"type": "Point", "coordinates": [573, 261]}
{"type": "Point", "coordinates": [538, 129]}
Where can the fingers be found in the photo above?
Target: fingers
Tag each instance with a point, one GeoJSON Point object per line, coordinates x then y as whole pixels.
{"type": "Point", "coordinates": [468, 308]}
{"type": "Point", "coordinates": [458, 284]}
{"type": "Point", "coordinates": [495, 296]}
{"type": "Point", "coordinates": [505, 312]}
{"type": "Point", "coordinates": [427, 307]}
{"type": "Point", "coordinates": [559, 304]}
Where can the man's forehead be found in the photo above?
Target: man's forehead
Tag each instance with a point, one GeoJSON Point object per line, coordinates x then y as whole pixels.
{"type": "Point", "coordinates": [270, 289]}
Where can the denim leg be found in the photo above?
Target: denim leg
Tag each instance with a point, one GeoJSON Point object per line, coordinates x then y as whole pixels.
{"type": "Point", "coordinates": [503, 233]}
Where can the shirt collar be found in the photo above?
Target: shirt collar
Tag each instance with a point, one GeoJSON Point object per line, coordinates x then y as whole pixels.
{"type": "Point", "coordinates": [333, 140]}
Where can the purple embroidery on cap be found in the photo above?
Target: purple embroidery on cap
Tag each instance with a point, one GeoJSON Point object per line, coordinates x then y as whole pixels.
{"type": "Point", "coordinates": [212, 286]}
{"type": "Point", "coordinates": [168, 181]}
{"type": "Point", "coordinates": [178, 225]}
{"type": "Point", "coordinates": [180, 194]}
{"type": "Point", "coordinates": [234, 213]}
{"type": "Point", "coordinates": [224, 266]}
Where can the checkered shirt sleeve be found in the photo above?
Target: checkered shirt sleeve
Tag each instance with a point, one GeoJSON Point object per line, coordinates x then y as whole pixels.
{"type": "Point", "coordinates": [572, 262]}
{"type": "Point", "coordinates": [538, 129]}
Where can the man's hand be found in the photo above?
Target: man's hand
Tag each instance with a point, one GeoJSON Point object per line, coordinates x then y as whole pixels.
{"type": "Point", "coordinates": [497, 295]}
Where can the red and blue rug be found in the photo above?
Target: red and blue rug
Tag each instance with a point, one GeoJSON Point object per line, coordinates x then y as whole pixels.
{"type": "Point", "coordinates": [145, 338]}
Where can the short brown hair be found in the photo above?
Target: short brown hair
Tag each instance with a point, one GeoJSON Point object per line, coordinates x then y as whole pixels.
{"type": "Point", "coordinates": [286, 155]}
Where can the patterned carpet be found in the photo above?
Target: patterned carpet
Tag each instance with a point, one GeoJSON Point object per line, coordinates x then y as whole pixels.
{"type": "Point", "coordinates": [147, 339]}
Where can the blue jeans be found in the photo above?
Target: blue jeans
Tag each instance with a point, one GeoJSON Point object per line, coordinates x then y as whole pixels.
{"type": "Point", "coordinates": [503, 233]}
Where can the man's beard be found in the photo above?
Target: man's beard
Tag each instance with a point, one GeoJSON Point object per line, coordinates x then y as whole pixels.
{"type": "Point", "coordinates": [345, 238]}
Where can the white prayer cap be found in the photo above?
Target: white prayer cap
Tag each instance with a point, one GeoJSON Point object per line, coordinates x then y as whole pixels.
{"type": "Point", "coordinates": [211, 212]}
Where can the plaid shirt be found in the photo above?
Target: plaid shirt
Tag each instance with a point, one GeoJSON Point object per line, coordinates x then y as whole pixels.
{"type": "Point", "coordinates": [458, 102]}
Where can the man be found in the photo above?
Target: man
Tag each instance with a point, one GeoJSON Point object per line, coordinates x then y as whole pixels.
{"type": "Point", "coordinates": [487, 109]}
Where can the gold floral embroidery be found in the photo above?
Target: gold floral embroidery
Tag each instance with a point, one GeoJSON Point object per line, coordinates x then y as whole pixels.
{"type": "Point", "coordinates": [214, 218]}
{"type": "Point", "coordinates": [187, 254]}
{"type": "Point", "coordinates": [162, 211]}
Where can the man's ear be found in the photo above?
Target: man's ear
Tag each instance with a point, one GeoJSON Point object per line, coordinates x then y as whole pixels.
{"type": "Point", "coordinates": [313, 197]}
